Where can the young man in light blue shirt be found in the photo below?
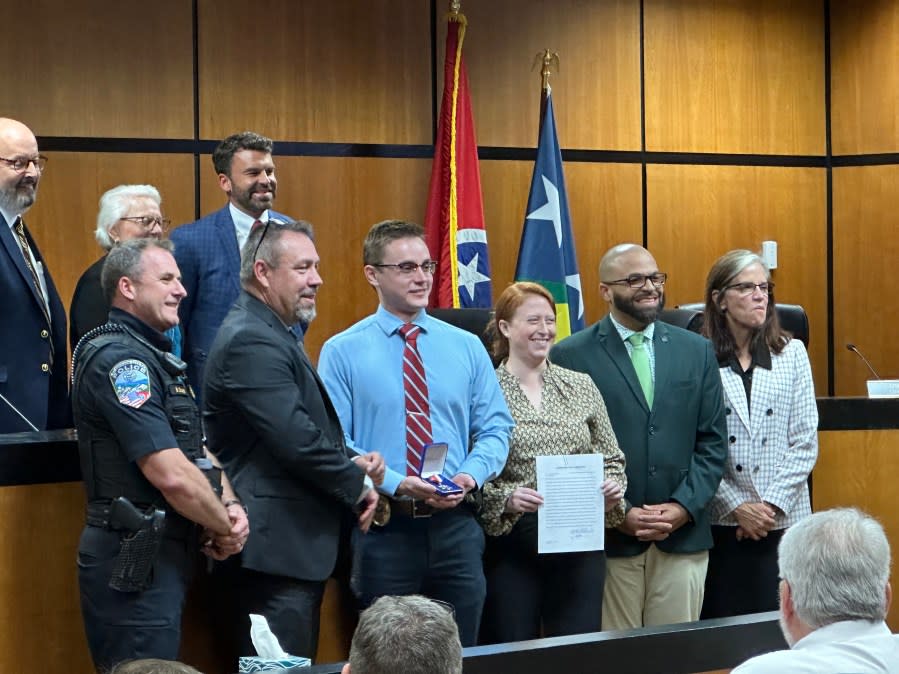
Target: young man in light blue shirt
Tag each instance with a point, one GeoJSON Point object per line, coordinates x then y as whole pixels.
{"type": "Point", "coordinates": [431, 544]}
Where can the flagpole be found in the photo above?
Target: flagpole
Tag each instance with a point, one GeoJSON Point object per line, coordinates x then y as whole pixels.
{"type": "Point", "coordinates": [549, 59]}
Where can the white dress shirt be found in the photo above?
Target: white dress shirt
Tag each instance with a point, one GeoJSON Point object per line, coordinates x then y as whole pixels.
{"type": "Point", "coordinates": [850, 647]}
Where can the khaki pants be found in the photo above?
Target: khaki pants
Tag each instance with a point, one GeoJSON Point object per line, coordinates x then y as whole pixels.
{"type": "Point", "coordinates": [653, 588]}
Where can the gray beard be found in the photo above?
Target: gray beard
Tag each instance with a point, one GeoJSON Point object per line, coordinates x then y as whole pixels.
{"type": "Point", "coordinates": [306, 315]}
{"type": "Point", "coordinates": [12, 201]}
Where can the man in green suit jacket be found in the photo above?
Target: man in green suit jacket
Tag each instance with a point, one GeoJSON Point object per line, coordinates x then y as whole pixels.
{"type": "Point", "coordinates": [663, 393]}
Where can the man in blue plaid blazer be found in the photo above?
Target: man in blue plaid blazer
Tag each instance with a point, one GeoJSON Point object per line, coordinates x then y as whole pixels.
{"type": "Point", "coordinates": [208, 250]}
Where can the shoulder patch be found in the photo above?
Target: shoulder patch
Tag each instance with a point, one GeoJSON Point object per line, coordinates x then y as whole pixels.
{"type": "Point", "coordinates": [130, 382]}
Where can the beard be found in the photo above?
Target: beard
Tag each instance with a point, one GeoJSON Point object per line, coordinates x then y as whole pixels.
{"type": "Point", "coordinates": [248, 204]}
{"type": "Point", "coordinates": [644, 315]}
{"type": "Point", "coordinates": [306, 314]}
{"type": "Point", "coordinates": [19, 197]}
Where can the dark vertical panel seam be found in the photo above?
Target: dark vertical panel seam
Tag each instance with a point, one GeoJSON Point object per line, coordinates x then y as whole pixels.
{"type": "Point", "coordinates": [643, 157]}
{"type": "Point", "coordinates": [195, 11]}
{"type": "Point", "coordinates": [828, 159]}
{"type": "Point", "coordinates": [434, 71]}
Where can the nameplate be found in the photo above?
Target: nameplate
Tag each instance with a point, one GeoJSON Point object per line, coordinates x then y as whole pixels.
{"type": "Point", "coordinates": [883, 388]}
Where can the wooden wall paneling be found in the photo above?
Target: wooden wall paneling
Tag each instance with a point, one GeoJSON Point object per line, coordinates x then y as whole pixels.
{"type": "Point", "coordinates": [337, 71]}
{"type": "Point", "coordinates": [596, 91]}
{"type": "Point", "coordinates": [745, 76]}
{"type": "Point", "coordinates": [342, 198]}
{"type": "Point", "coordinates": [698, 213]}
{"type": "Point", "coordinates": [866, 253]}
{"type": "Point", "coordinates": [855, 468]}
{"type": "Point", "coordinates": [94, 68]}
{"type": "Point", "coordinates": [605, 206]}
{"type": "Point", "coordinates": [64, 216]}
{"type": "Point", "coordinates": [864, 48]}
{"type": "Point", "coordinates": [39, 602]}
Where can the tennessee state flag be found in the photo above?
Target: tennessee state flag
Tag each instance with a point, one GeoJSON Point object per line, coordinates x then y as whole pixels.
{"type": "Point", "coordinates": [546, 255]}
{"type": "Point", "coordinates": [454, 223]}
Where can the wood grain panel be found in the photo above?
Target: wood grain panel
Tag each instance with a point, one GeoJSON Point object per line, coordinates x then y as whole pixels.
{"type": "Point", "coordinates": [596, 92]}
{"type": "Point", "coordinates": [864, 47]}
{"type": "Point", "coordinates": [857, 468]}
{"type": "Point", "coordinates": [94, 68]}
{"type": "Point", "coordinates": [698, 213]}
{"type": "Point", "coordinates": [39, 604]}
{"type": "Point", "coordinates": [743, 76]}
{"type": "Point", "coordinates": [866, 251]}
{"type": "Point", "coordinates": [342, 198]}
{"type": "Point", "coordinates": [605, 206]}
{"type": "Point", "coordinates": [64, 216]}
{"type": "Point", "coordinates": [337, 71]}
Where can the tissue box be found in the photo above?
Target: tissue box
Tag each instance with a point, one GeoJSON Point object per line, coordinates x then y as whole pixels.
{"type": "Point", "coordinates": [433, 460]}
{"type": "Point", "coordinates": [257, 664]}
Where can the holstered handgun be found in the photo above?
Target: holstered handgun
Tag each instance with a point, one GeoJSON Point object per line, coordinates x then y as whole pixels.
{"type": "Point", "coordinates": [133, 566]}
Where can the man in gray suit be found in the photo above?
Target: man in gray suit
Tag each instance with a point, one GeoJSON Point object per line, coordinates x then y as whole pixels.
{"type": "Point", "coordinates": [271, 423]}
{"type": "Point", "coordinates": [663, 393]}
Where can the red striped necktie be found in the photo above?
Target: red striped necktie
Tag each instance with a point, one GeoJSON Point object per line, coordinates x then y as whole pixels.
{"type": "Point", "coordinates": [415, 389]}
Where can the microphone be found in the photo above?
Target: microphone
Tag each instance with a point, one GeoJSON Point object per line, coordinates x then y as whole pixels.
{"type": "Point", "coordinates": [854, 349]}
{"type": "Point", "coordinates": [16, 410]}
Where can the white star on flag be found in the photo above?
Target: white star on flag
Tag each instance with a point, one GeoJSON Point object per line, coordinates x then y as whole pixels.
{"type": "Point", "coordinates": [574, 281]}
{"type": "Point", "coordinates": [469, 276]}
{"type": "Point", "coordinates": [550, 210]}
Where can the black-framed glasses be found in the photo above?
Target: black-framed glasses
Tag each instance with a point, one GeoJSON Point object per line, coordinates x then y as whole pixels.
{"type": "Point", "coordinates": [21, 164]}
{"type": "Point", "coordinates": [410, 267]}
{"type": "Point", "coordinates": [149, 221]}
{"type": "Point", "coordinates": [747, 288]}
{"type": "Point", "coordinates": [637, 281]}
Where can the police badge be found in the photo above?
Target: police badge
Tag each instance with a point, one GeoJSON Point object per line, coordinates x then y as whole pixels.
{"type": "Point", "coordinates": [131, 382]}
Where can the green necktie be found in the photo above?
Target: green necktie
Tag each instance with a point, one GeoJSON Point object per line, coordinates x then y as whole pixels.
{"type": "Point", "coordinates": [640, 360]}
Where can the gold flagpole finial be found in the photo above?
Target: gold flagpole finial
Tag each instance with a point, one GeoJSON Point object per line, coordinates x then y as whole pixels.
{"type": "Point", "coordinates": [455, 6]}
{"type": "Point", "coordinates": [546, 59]}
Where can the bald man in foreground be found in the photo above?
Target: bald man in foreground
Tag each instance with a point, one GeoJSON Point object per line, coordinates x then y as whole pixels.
{"type": "Point", "coordinates": [663, 393]}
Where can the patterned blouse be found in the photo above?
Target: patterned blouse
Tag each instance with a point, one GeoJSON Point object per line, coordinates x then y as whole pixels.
{"type": "Point", "coordinates": [572, 420]}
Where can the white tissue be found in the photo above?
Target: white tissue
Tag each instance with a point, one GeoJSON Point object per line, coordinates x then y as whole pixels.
{"type": "Point", "coordinates": [264, 640]}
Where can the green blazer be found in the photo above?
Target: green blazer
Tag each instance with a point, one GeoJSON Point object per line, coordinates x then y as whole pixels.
{"type": "Point", "coordinates": [677, 450]}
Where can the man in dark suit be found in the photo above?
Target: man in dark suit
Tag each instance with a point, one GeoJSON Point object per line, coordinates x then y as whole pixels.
{"type": "Point", "coordinates": [208, 250]}
{"type": "Point", "coordinates": [33, 360]}
{"type": "Point", "coordinates": [272, 425]}
{"type": "Point", "coordinates": [663, 393]}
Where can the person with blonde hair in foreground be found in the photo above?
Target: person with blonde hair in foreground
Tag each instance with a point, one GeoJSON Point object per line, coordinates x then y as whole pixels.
{"type": "Point", "coordinates": [410, 634]}
{"type": "Point", "coordinates": [834, 597]}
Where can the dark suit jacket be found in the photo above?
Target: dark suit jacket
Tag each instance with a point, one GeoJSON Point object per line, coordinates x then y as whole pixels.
{"type": "Point", "coordinates": [209, 261]}
{"type": "Point", "coordinates": [270, 421]}
{"type": "Point", "coordinates": [42, 396]}
{"type": "Point", "coordinates": [677, 450]}
{"type": "Point", "coordinates": [89, 307]}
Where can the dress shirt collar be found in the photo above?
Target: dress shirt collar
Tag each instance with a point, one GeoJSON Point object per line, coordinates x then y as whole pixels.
{"type": "Point", "coordinates": [841, 631]}
{"type": "Point", "coordinates": [624, 332]}
{"type": "Point", "coordinates": [9, 217]}
{"type": "Point", "coordinates": [243, 223]}
{"type": "Point", "coordinates": [390, 323]}
{"type": "Point", "coordinates": [761, 356]}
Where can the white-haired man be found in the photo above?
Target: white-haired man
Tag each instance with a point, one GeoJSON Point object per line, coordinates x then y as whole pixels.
{"type": "Point", "coordinates": [834, 597]}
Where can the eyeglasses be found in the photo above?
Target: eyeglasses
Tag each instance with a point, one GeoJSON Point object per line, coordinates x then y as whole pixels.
{"type": "Point", "coordinates": [637, 281]}
{"type": "Point", "coordinates": [747, 288]}
{"type": "Point", "coordinates": [149, 221]}
{"type": "Point", "coordinates": [20, 164]}
{"type": "Point", "coordinates": [406, 268]}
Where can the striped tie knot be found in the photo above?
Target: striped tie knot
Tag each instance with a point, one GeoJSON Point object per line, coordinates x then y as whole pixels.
{"type": "Point", "coordinates": [410, 332]}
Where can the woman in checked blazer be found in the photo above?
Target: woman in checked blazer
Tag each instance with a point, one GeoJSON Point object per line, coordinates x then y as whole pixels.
{"type": "Point", "coordinates": [772, 422]}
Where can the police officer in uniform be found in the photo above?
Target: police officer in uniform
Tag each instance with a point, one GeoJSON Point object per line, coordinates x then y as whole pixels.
{"type": "Point", "coordinates": [155, 497]}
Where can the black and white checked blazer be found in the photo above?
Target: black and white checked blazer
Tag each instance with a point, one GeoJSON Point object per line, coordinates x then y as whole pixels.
{"type": "Point", "coordinates": [773, 446]}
